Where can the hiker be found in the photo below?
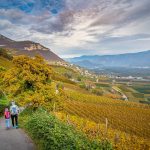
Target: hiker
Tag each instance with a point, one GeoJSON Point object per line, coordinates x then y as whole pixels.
{"type": "Point", "coordinates": [14, 110]}
{"type": "Point", "coordinates": [7, 118]}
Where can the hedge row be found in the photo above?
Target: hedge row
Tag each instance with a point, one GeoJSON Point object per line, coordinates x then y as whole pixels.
{"type": "Point", "coordinates": [52, 134]}
{"type": "Point", "coordinates": [3, 104]}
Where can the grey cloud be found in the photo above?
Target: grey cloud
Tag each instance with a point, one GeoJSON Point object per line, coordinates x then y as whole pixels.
{"type": "Point", "coordinates": [19, 17]}
{"type": "Point", "coordinates": [15, 16]}
{"type": "Point", "coordinates": [139, 12]}
{"type": "Point", "coordinates": [5, 25]}
{"type": "Point", "coordinates": [126, 38]}
{"type": "Point", "coordinates": [56, 24]}
{"type": "Point", "coordinates": [105, 12]}
{"type": "Point", "coordinates": [123, 14]}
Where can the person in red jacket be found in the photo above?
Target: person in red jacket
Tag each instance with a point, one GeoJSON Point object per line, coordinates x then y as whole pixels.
{"type": "Point", "coordinates": [7, 118]}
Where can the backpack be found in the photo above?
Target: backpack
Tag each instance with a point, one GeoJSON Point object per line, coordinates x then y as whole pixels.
{"type": "Point", "coordinates": [14, 110]}
{"type": "Point", "coordinates": [7, 114]}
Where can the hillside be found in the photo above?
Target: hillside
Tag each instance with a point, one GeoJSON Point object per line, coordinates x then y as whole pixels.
{"type": "Point", "coordinates": [140, 59]}
{"type": "Point", "coordinates": [30, 80]}
{"type": "Point", "coordinates": [87, 106]}
{"type": "Point", "coordinates": [28, 48]}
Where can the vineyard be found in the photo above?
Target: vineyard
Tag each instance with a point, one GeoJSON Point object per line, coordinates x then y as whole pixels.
{"type": "Point", "coordinates": [127, 117]}
{"type": "Point", "coordinates": [119, 139]}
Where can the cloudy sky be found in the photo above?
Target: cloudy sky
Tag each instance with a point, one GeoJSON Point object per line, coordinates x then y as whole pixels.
{"type": "Point", "coordinates": [79, 27]}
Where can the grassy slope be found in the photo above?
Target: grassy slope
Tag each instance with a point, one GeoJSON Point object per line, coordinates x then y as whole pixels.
{"type": "Point", "coordinates": [62, 70]}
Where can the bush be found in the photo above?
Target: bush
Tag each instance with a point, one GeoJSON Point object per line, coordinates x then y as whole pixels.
{"type": "Point", "coordinates": [3, 104]}
{"type": "Point", "coordinates": [52, 134]}
{"type": "Point", "coordinates": [68, 75]}
{"type": "Point", "coordinates": [79, 78]}
{"type": "Point", "coordinates": [2, 107]}
{"type": "Point", "coordinates": [29, 82]}
{"type": "Point", "coordinates": [2, 69]}
{"type": "Point", "coordinates": [97, 92]}
{"type": "Point", "coordinates": [82, 85]}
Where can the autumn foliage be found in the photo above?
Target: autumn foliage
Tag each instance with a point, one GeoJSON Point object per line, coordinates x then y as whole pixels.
{"type": "Point", "coordinates": [29, 82]}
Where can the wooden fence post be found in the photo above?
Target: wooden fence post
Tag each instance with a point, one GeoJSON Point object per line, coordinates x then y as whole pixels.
{"type": "Point", "coordinates": [67, 117]}
{"type": "Point", "coordinates": [106, 127]}
{"type": "Point", "coordinates": [116, 139]}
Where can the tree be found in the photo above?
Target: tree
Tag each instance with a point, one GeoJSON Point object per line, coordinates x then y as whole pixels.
{"type": "Point", "coordinates": [79, 78]}
{"type": "Point", "coordinates": [68, 75]}
{"type": "Point", "coordinates": [29, 82]}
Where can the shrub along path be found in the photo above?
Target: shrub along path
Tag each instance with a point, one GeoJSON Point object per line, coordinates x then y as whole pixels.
{"type": "Point", "coordinates": [13, 139]}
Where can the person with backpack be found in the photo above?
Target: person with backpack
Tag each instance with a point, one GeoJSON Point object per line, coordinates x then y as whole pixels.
{"type": "Point", "coordinates": [7, 118]}
{"type": "Point", "coordinates": [14, 110]}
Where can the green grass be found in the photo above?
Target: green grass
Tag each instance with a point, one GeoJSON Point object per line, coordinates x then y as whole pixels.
{"type": "Point", "coordinates": [62, 69]}
{"type": "Point", "coordinates": [99, 85]}
{"type": "Point", "coordinates": [124, 88]}
{"type": "Point", "coordinates": [138, 95]}
{"type": "Point", "coordinates": [65, 71]}
{"type": "Point", "coordinates": [142, 89]}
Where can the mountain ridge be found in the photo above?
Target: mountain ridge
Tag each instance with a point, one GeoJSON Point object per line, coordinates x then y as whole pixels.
{"type": "Point", "coordinates": [110, 54]}
{"type": "Point", "coordinates": [139, 59]}
{"type": "Point", "coordinates": [29, 48]}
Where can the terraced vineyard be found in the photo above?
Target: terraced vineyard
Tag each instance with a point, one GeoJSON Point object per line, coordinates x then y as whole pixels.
{"type": "Point", "coordinates": [132, 118]}
{"type": "Point", "coordinates": [120, 140]}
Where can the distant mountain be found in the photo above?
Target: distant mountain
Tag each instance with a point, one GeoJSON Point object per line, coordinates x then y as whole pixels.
{"type": "Point", "coordinates": [140, 59]}
{"type": "Point", "coordinates": [86, 64]}
{"type": "Point", "coordinates": [28, 48]}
